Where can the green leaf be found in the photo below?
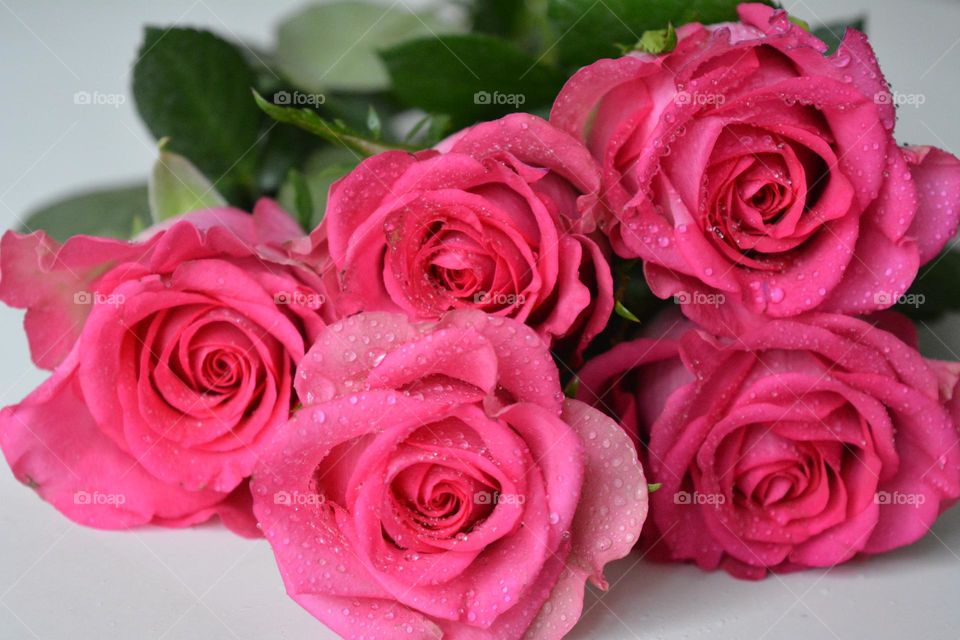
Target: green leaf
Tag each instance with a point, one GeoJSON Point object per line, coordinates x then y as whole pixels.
{"type": "Point", "coordinates": [373, 123]}
{"type": "Point", "coordinates": [658, 40]}
{"type": "Point", "coordinates": [119, 212]}
{"type": "Point", "coordinates": [440, 127]}
{"type": "Point", "coordinates": [832, 33]}
{"type": "Point", "coordinates": [653, 487]}
{"type": "Point", "coordinates": [295, 198]}
{"type": "Point", "coordinates": [193, 87]}
{"type": "Point", "coordinates": [417, 128]}
{"type": "Point", "coordinates": [572, 387]}
{"type": "Point", "coordinates": [319, 173]}
{"type": "Point", "coordinates": [285, 148]}
{"type": "Point", "coordinates": [586, 30]}
{"type": "Point", "coordinates": [333, 45]}
{"type": "Point", "coordinates": [523, 23]}
{"type": "Point", "coordinates": [176, 187]}
{"type": "Point", "coordinates": [934, 292]}
{"type": "Point", "coordinates": [624, 313]}
{"type": "Point", "coordinates": [429, 130]}
{"type": "Point", "coordinates": [497, 17]}
{"type": "Point", "coordinates": [803, 24]}
{"type": "Point", "coordinates": [335, 132]}
{"type": "Point", "coordinates": [354, 108]}
{"type": "Point", "coordinates": [470, 77]}
{"type": "Point", "coordinates": [266, 76]}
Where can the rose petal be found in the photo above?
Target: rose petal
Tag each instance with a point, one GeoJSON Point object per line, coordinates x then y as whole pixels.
{"type": "Point", "coordinates": [608, 520]}
{"type": "Point", "coordinates": [937, 176]}
{"type": "Point", "coordinates": [56, 285]}
{"type": "Point", "coordinates": [52, 443]}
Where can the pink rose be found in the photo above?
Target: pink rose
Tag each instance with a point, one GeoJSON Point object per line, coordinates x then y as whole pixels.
{"type": "Point", "coordinates": [437, 482]}
{"type": "Point", "coordinates": [798, 445]}
{"type": "Point", "coordinates": [172, 360]}
{"type": "Point", "coordinates": [747, 164]}
{"type": "Point", "coordinates": [480, 224]}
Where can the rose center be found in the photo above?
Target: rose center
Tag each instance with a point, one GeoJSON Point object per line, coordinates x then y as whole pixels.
{"type": "Point", "coordinates": [438, 501]}
{"type": "Point", "coordinates": [220, 370]}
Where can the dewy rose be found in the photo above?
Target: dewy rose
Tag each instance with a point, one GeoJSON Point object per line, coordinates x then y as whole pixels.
{"type": "Point", "coordinates": [482, 223]}
{"type": "Point", "coordinates": [172, 360]}
{"type": "Point", "coordinates": [801, 444]}
{"type": "Point", "coordinates": [457, 491]}
{"type": "Point", "coordinates": [747, 163]}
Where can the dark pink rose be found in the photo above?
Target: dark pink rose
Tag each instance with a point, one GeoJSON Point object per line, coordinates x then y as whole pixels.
{"type": "Point", "coordinates": [172, 359]}
{"type": "Point", "coordinates": [799, 444]}
{"type": "Point", "coordinates": [500, 219]}
{"type": "Point", "coordinates": [438, 483]}
{"type": "Point", "coordinates": [747, 166]}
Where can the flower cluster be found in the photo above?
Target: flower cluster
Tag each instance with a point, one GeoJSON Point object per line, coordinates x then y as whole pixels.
{"type": "Point", "coordinates": [382, 396]}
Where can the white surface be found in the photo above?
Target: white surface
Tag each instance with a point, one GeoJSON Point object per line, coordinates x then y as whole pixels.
{"type": "Point", "coordinates": [58, 580]}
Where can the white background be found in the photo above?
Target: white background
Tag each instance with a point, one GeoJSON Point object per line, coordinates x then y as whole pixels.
{"type": "Point", "coordinates": [58, 580]}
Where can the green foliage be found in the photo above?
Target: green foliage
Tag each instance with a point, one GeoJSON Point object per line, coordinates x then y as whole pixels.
{"type": "Point", "coordinates": [934, 292]}
{"type": "Point", "coordinates": [470, 77]}
{"type": "Point", "coordinates": [832, 33]}
{"type": "Point", "coordinates": [193, 87]}
{"type": "Point", "coordinates": [593, 30]}
{"type": "Point", "coordinates": [333, 45]}
{"type": "Point", "coordinates": [119, 212]}
{"type": "Point", "coordinates": [304, 193]}
{"type": "Point", "coordinates": [177, 187]}
{"type": "Point", "coordinates": [624, 313]}
{"type": "Point", "coordinates": [336, 132]}
{"type": "Point", "coordinates": [658, 40]}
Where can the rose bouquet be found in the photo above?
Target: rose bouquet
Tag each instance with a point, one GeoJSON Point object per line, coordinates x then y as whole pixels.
{"type": "Point", "coordinates": [501, 290]}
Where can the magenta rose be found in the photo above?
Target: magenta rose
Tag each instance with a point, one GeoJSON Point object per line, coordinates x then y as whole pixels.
{"type": "Point", "coordinates": [438, 483]}
{"type": "Point", "coordinates": [172, 359]}
{"type": "Point", "coordinates": [801, 444]}
{"type": "Point", "coordinates": [500, 219]}
{"type": "Point", "coordinates": [748, 166]}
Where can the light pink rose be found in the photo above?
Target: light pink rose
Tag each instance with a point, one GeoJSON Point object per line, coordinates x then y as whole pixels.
{"type": "Point", "coordinates": [800, 444]}
{"type": "Point", "coordinates": [172, 360]}
{"type": "Point", "coordinates": [500, 219]}
{"type": "Point", "coordinates": [437, 483]}
{"type": "Point", "coordinates": [747, 163]}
